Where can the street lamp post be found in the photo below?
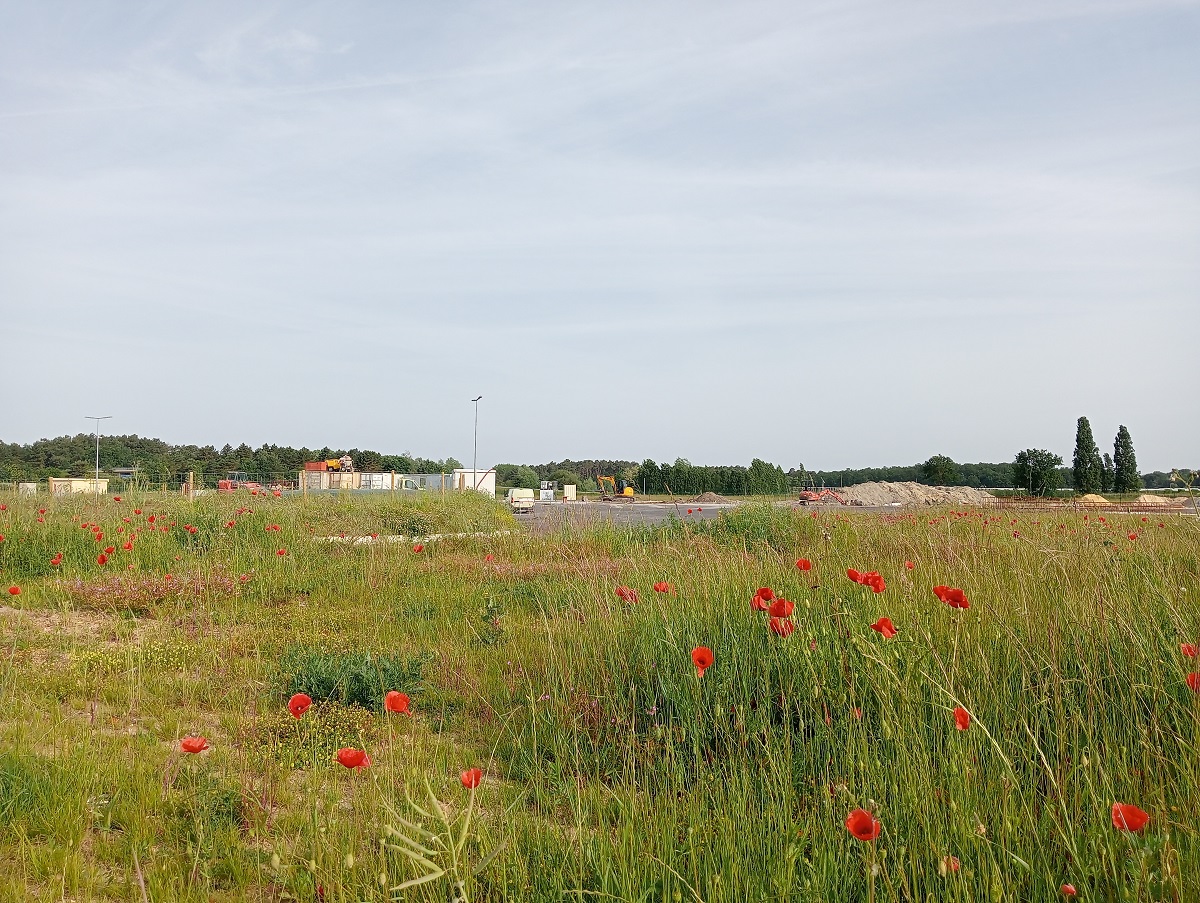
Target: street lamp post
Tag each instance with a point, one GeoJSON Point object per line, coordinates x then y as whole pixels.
{"type": "Point", "coordinates": [475, 455]}
{"type": "Point", "coordinates": [96, 484]}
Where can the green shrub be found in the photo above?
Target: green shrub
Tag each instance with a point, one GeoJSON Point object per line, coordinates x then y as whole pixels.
{"type": "Point", "coordinates": [350, 678]}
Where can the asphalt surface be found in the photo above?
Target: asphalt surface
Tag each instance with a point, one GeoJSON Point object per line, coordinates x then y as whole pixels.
{"type": "Point", "coordinates": [551, 515]}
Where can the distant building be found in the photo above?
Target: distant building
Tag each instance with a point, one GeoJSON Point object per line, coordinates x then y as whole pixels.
{"type": "Point", "coordinates": [69, 485]}
{"type": "Point", "coordinates": [356, 481]}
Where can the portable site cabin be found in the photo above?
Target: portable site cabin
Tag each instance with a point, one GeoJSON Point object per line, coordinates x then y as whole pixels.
{"type": "Point", "coordinates": [334, 481]}
{"type": "Point", "coordinates": [482, 480]}
{"type": "Point", "coordinates": [70, 485]}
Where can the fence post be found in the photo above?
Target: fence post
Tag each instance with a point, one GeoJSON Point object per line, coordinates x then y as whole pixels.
{"type": "Point", "coordinates": [191, 485]}
{"type": "Point", "coordinates": [393, 482]}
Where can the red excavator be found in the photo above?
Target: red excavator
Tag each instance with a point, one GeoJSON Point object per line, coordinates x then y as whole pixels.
{"type": "Point", "coordinates": [810, 496]}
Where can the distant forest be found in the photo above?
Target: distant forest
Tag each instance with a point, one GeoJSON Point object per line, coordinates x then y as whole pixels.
{"type": "Point", "coordinates": [161, 462]}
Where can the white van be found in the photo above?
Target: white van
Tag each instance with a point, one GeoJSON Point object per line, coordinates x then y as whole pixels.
{"type": "Point", "coordinates": [520, 500]}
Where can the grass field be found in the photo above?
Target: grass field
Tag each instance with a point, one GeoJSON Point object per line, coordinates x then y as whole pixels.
{"type": "Point", "coordinates": [609, 768]}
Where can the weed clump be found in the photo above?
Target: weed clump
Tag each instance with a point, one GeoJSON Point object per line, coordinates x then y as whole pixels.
{"type": "Point", "coordinates": [349, 678]}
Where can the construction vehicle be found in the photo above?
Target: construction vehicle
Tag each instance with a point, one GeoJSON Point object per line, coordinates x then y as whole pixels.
{"type": "Point", "coordinates": [344, 464]}
{"type": "Point", "coordinates": [614, 490]}
{"type": "Point", "coordinates": [811, 496]}
{"type": "Point", "coordinates": [520, 500]}
{"type": "Point", "coordinates": [239, 480]}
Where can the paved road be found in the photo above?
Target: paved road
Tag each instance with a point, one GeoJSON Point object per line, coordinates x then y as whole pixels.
{"type": "Point", "coordinates": [549, 515]}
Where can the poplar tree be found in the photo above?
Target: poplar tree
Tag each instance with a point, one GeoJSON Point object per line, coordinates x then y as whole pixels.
{"type": "Point", "coordinates": [1125, 472]}
{"type": "Point", "coordinates": [1087, 468]}
{"type": "Point", "coordinates": [1107, 473]}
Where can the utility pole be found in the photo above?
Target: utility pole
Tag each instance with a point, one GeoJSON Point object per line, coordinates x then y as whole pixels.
{"type": "Point", "coordinates": [96, 484]}
{"type": "Point", "coordinates": [475, 456]}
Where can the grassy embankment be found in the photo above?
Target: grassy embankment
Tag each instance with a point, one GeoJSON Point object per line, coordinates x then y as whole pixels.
{"type": "Point", "coordinates": [610, 769]}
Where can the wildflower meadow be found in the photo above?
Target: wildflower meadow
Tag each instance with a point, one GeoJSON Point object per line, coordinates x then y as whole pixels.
{"type": "Point", "coordinates": [375, 698]}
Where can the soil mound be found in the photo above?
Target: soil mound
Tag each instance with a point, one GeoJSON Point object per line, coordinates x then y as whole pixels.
{"type": "Point", "coordinates": [711, 498]}
{"type": "Point", "coordinates": [1091, 498]}
{"type": "Point", "coordinates": [1146, 499]}
{"type": "Point", "coordinates": [913, 494]}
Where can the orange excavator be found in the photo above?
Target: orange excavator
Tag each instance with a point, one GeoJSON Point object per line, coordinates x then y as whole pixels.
{"type": "Point", "coordinates": [812, 496]}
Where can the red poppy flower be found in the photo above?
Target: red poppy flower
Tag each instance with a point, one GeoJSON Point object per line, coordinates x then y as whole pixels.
{"type": "Point", "coordinates": [782, 627]}
{"type": "Point", "coordinates": [418, 548]}
{"type": "Point", "coordinates": [489, 557]}
{"type": "Point", "coordinates": [909, 565]}
{"type": "Point", "coordinates": [193, 744]}
{"type": "Point", "coordinates": [962, 718]}
{"type": "Point", "coordinates": [97, 535]}
{"type": "Point", "coordinates": [803, 564]}
{"type": "Point", "coordinates": [276, 493]}
{"type": "Point", "coordinates": [1189, 649]}
{"type": "Point", "coordinates": [127, 546]}
{"type": "Point", "coordinates": [663, 587]}
{"type": "Point", "coordinates": [874, 581]}
{"type": "Point", "coordinates": [116, 498]}
{"type": "Point", "coordinates": [854, 575]}
{"type": "Point", "coordinates": [781, 608]}
{"type": "Point", "coordinates": [1133, 537]}
{"type": "Point", "coordinates": [689, 510]}
{"type": "Point", "coordinates": [109, 550]}
{"type": "Point", "coordinates": [56, 560]}
{"type": "Point", "coordinates": [350, 757]}
{"type": "Point", "coordinates": [14, 590]}
{"type": "Point", "coordinates": [1128, 817]}
{"type": "Point", "coordinates": [397, 702]}
{"type": "Point", "coordinates": [137, 510]}
{"type": "Point", "coordinates": [702, 658]}
{"type": "Point", "coordinates": [165, 576]}
{"type": "Point", "coordinates": [1193, 682]}
{"type": "Point", "coordinates": [765, 593]}
{"type": "Point", "coordinates": [471, 778]}
{"type": "Point", "coordinates": [299, 704]}
{"type": "Point", "coordinates": [952, 596]}
{"type": "Point", "coordinates": [101, 558]}
{"type": "Point", "coordinates": [150, 519]}
{"type": "Point", "coordinates": [281, 552]}
{"type": "Point", "coordinates": [628, 595]}
{"type": "Point", "coordinates": [758, 603]}
{"type": "Point", "coordinates": [41, 510]}
{"type": "Point", "coordinates": [1068, 890]}
{"type": "Point", "coordinates": [885, 627]}
{"type": "Point", "coordinates": [862, 825]}
{"type": "Point", "coordinates": [1, 537]}
{"type": "Point", "coordinates": [950, 864]}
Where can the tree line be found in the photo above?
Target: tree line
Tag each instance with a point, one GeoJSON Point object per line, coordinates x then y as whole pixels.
{"type": "Point", "coordinates": [1037, 471]}
{"type": "Point", "coordinates": [159, 462]}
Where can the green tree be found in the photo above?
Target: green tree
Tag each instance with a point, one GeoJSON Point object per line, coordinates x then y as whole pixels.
{"type": "Point", "coordinates": [941, 471]}
{"type": "Point", "coordinates": [1036, 471]}
{"type": "Point", "coordinates": [1107, 473]}
{"type": "Point", "coordinates": [1087, 470]}
{"type": "Point", "coordinates": [1125, 472]}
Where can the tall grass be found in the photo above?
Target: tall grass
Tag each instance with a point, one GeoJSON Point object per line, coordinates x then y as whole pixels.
{"type": "Point", "coordinates": [612, 769]}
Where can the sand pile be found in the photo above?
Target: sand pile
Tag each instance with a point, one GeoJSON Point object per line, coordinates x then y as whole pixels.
{"type": "Point", "coordinates": [711, 498]}
{"type": "Point", "coordinates": [1091, 498]}
{"type": "Point", "coordinates": [913, 494]}
{"type": "Point", "coordinates": [1146, 499]}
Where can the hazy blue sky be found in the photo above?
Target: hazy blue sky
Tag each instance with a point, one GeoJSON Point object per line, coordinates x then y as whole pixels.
{"type": "Point", "coordinates": [837, 233]}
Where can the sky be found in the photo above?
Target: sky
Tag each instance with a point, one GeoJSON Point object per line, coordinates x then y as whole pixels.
{"type": "Point", "coordinates": [832, 233]}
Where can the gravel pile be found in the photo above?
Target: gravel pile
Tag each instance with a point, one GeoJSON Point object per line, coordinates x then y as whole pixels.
{"type": "Point", "coordinates": [913, 494]}
{"type": "Point", "coordinates": [711, 498]}
{"type": "Point", "coordinates": [1147, 499]}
